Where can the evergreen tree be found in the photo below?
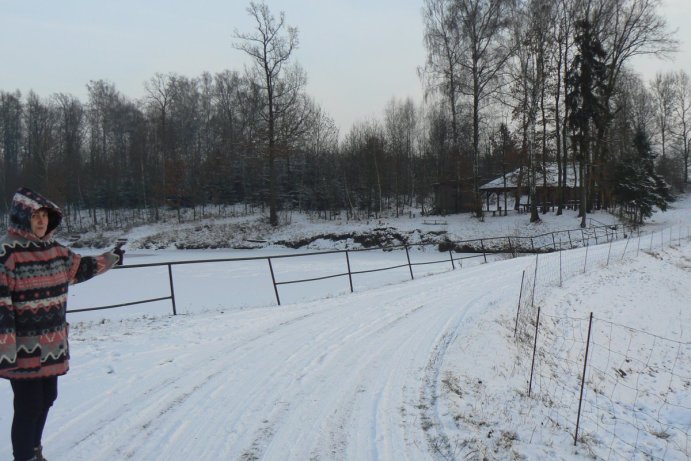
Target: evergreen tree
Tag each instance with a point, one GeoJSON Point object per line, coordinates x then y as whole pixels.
{"type": "Point", "coordinates": [584, 100]}
{"type": "Point", "coordinates": [638, 187]}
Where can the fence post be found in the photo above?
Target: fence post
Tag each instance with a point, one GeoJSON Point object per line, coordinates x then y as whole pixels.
{"type": "Point", "coordinates": [625, 247]}
{"type": "Point", "coordinates": [569, 234]}
{"type": "Point", "coordinates": [532, 365]}
{"type": "Point", "coordinates": [453, 266]}
{"type": "Point", "coordinates": [638, 247]}
{"type": "Point", "coordinates": [582, 236]}
{"type": "Point", "coordinates": [172, 288]}
{"type": "Point", "coordinates": [532, 301]}
{"type": "Point", "coordinates": [585, 262]}
{"type": "Point", "coordinates": [532, 244]}
{"type": "Point", "coordinates": [484, 253]}
{"type": "Point", "coordinates": [561, 279]}
{"type": "Point", "coordinates": [513, 254]}
{"type": "Point", "coordinates": [350, 274]}
{"type": "Point", "coordinates": [585, 364]}
{"type": "Point", "coordinates": [518, 311]}
{"type": "Point", "coordinates": [410, 267]}
{"type": "Point", "coordinates": [609, 251]}
{"type": "Point", "coordinates": [554, 243]}
{"type": "Point", "coordinates": [273, 280]}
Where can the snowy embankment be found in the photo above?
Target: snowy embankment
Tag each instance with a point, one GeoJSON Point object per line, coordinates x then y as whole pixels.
{"type": "Point", "coordinates": [425, 369]}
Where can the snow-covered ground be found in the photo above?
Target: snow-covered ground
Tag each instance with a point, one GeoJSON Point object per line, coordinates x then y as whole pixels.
{"type": "Point", "coordinates": [231, 228]}
{"type": "Point", "coordinates": [413, 370]}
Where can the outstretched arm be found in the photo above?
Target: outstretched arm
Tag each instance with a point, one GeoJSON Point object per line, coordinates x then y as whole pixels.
{"type": "Point", "coordinates": [83, 268]}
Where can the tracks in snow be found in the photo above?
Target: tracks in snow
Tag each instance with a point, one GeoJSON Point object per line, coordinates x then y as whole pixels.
{"type": "Point", "coordinates": [355, 377]}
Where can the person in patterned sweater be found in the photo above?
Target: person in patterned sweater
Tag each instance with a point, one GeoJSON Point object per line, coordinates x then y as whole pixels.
{"type": "Point", "coordinates": [35, 272]}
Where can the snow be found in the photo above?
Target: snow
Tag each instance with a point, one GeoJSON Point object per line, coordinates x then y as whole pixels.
{"type": "Point", "coordinates": [424, 369]}
{"type": "Point", "coordinates": [551, 177]}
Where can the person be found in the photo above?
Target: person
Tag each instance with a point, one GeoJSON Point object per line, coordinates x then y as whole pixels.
{"type": "Point", "coordinates": [35, 272]}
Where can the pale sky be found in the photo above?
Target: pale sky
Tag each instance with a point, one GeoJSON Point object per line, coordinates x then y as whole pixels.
{"type": "Point", "coordinates": [358, 54]}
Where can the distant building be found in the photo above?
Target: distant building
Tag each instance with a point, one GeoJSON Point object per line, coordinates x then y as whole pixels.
{"type": "Point", "coordinates": [516, 183]}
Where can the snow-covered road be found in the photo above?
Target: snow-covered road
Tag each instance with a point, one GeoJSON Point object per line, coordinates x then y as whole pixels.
{"type": "Point", "coordinates": [353, 377]}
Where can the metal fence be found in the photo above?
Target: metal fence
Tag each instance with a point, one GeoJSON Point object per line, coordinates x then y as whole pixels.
{"type": "Point", "coordinates": [449, 254]}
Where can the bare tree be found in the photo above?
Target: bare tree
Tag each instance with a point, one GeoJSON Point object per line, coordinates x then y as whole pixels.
{"type": "Point", "coordinates": [682, 123]}
{"type": "Point", "coordinates": [40, 125]}
{"type": "Point", "coordinates": [528, 87]}
{"type": "Point", "coordinates": [399, 124]}
{"type": "Point", "coordinates": [636, 103]}
{"type": "Point", "coordinates": [662, 88]}
{"type": "Point", "coordinates": [271, 46]}
{"type": "Point", "coordinates": [483, 25]}
{"type": "Point", "coordinates": [70, 139]}
{"type": "Point", "coordinates": [159, 94]}
{"type": "Point", "coordinates": [443, 70]}
{"type": "Point", "coordinates": [11, 109]}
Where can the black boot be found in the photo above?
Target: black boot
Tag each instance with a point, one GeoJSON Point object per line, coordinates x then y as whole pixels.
{"type": "Point", "coordinates": [38, 451]}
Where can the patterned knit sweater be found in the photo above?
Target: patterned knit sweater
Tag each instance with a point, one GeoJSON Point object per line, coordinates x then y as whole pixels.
{"type": "Point", "coordinates": [34, 277]}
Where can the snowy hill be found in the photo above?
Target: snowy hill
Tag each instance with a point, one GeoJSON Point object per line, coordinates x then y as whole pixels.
{"type": "Point", "coordinates": [422, 370]}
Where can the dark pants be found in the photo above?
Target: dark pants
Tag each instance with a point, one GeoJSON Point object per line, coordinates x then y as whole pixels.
{"type": "Point", "coordinates": [32, 400]}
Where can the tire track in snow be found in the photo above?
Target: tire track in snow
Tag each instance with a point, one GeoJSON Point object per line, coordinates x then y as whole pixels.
{"type": "Point", "coordinates": [334, 379]}
{"type": "Point", "coordinates": [360, 404]}
{"type": "Point", "coordinates": [440, 445]}
{"type": "Point", "coordinates": [311, 361]}
{"type": "Point", "coordinates": [125, 424]}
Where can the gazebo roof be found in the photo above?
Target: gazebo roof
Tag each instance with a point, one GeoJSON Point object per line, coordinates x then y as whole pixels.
{"type": "Point", "coordinates": [512, 178]}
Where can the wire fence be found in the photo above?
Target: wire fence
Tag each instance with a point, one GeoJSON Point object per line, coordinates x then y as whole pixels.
{"type": "Point", "coordinates": [613, 386]}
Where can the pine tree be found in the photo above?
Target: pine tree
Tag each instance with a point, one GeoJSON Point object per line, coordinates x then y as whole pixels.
{"type": "Point", "coordinates": [585, 80]}
{"type": "Point", "coordinates": [638, 187]}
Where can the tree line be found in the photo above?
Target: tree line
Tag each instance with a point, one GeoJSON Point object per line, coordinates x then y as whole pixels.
{"type": "Point", "coordinates": [509, 85]}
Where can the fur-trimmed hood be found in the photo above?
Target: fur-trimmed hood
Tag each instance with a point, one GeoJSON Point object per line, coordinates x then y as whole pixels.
{"type": "Point", "coordinates": [24, 203]}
